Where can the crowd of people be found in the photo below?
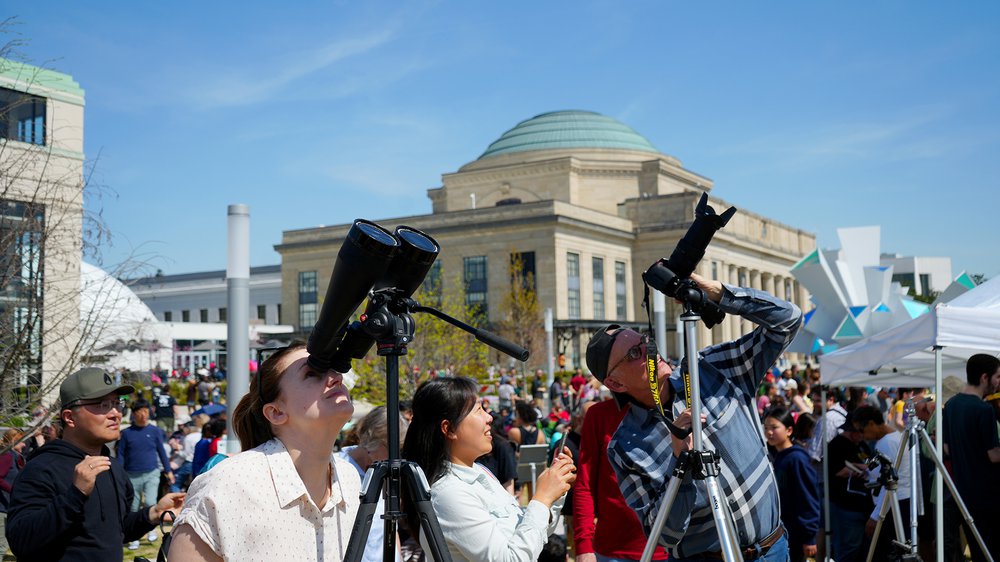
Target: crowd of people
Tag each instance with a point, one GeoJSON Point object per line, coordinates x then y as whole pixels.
{"type": "Point", "coordinates": [613, 441]}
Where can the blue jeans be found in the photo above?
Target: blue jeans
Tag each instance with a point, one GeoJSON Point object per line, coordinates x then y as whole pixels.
{"type": "Point", "coordinates": [848, 529]}
{"type": "Point", "coordinates": [602, 558]}
{"type": "Point", "coordinates": [777, 553]}
{"type": "Point", "coordinates": [181, 477]}
{"type": "Point", "coordinates": [145, 485]}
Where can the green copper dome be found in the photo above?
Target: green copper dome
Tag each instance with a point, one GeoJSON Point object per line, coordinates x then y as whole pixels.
{"type": "Point", "coordinates": [569, 129]}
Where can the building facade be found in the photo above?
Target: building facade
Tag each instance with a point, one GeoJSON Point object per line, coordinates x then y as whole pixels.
{"type": "Point", "coordinates": [193, 307]}
{"type": "Point", "coordinates": [925, 275]}
{"type": "Point", "coordinates": [41, 214]}
{"type": "Point", "coordinates": [587, 204]}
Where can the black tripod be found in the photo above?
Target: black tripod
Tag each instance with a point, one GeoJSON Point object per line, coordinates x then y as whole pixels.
{"type": "Point", "coordinates": [387, 319]}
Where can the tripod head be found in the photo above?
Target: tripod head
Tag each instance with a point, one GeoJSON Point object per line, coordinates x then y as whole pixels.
{"type": "Point", "coordinates": [388, 321]}
{"type": "Point", "coordinates": [887, 475]}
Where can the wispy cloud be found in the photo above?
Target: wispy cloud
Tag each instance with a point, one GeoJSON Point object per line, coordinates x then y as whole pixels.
{"type": "Point", "coordinates": [904, 138]}
{"type": "Point", "coordinates": [259, 81]}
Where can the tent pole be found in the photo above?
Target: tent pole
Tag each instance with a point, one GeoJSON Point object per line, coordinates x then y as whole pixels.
{"type": "Point", "coordinates": [938, 441]}
{"type": "Point", "coordinates": [827, 539]}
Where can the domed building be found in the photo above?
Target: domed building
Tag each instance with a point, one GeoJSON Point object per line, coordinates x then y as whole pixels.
{"type": "Point", "coordinates": [117, 328]}
{"type": "Point", "coordinates": [587, 203]}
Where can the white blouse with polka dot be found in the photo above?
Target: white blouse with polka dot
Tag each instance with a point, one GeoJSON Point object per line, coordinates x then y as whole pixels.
{"type": "Point", "coordinates": [254, 506]}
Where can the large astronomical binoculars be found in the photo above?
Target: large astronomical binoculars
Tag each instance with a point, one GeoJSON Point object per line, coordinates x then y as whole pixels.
{"type": "Point", "coordinates": [417, 252]}
{"type": "Point", "coordinates": [370, 258]}
{"type": "Point", "coordinates": [386, 268]}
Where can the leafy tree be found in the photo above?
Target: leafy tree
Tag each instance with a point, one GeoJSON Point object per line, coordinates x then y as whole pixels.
{"type": "Point", "coordinates": [520, 315]}
{"type": "Point", "coordinates": [46, 332]}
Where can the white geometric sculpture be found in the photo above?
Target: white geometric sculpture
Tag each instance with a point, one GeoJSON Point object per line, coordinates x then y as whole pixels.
{"type": "Point", "coordinates": [853, 294]}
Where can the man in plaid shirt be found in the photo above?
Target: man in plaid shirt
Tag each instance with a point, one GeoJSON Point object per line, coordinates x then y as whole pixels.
{"type": "Point", "coordinates": [643, 451]}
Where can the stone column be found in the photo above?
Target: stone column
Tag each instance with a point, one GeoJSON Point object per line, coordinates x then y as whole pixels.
{"type": "Point", "coordinates": [755, 279]}
{"type": "Point", "coordinates": [801, 296]}
{"type": "Point", "coordinates": [735, 321]}
{"type": "Point", "coordinates": [768, 281]}
{"type": "Point", "coordinates": [727, 324]}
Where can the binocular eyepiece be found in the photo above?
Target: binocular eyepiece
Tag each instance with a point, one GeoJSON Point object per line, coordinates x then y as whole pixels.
{"type": "Point", "coordinates": [370, 259]}
{"type": "Point", "coordinates": [672, 276]}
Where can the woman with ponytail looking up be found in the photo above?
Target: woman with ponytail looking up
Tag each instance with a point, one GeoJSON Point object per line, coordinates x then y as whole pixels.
{"type": "Point", "coordinates": [287, 496]}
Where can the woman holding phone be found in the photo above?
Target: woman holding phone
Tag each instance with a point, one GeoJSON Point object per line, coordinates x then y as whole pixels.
{"type": "Point", "coordinates": [480, 521]}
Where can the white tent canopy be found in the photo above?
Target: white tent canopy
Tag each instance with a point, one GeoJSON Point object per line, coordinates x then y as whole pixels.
{"type": "Point", "coordinates": [903, 355]}
{"type": "Point", "coordinates": [918, 352]}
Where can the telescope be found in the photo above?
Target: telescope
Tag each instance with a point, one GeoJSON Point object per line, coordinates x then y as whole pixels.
{"type": "Point", "coordinates": [672, 276]}
{"type": "Point", "coordinates": [371, 258]}
{"type": "Point", "coordinates": [386, 268]}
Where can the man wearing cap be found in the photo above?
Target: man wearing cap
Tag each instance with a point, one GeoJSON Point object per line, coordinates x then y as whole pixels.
{"type": "Point", "coordinates": [644, 450]}
{"type": "Point", "coordinates": [71, 501]}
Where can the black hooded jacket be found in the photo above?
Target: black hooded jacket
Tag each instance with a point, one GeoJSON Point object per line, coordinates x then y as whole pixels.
{"type": "Point", "coordinates": [50, 519]}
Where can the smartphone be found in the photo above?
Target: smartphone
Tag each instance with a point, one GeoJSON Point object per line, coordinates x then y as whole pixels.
{"type": "Point", "coordinates": [561, 445]}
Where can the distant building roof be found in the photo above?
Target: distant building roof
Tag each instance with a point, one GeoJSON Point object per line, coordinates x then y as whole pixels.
{"type": "Point", "coordinates": [199, 275]}
{"type": "Point", "coordinates": [41, 81]}
{"type": "Point", "coordinates": [569, 129]}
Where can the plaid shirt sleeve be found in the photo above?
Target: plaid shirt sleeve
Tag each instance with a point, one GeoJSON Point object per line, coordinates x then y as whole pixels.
{"type": "Point", "coordinates": [746, 360]}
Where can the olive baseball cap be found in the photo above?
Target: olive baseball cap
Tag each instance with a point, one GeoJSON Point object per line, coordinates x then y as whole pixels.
{"type": "Point", "coordinates": [90, 383]}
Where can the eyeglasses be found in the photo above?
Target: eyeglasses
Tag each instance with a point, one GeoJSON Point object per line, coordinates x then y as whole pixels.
{"type": "Point", "coordinates": [632, 353]}
{"type": "Point", "coordinates": [104, 406]}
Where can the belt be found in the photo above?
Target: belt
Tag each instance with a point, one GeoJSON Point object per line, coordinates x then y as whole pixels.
{"type": "Point", "coordinates": [752, 552]}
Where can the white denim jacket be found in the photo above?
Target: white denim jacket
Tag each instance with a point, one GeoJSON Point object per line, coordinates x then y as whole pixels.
{"type": "Point", "coordinates": [482, 522]}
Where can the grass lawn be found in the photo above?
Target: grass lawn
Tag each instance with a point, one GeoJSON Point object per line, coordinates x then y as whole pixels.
{"type": "Point", "coordinates": [146, 549]}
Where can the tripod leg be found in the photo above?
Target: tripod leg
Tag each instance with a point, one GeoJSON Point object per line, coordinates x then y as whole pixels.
{"type": "Point", "coordinates": [371, 493]}
{"type": "Point", "coordinates": [661, 518]}
{"type": "Point", "coordinates": [724, 526]}
{"type": "Point", "coordinates": [954, 494]}
{"type": "Point", "coordinates": [420, 494]}
{"type": "Point", "coordinates": [878, 526]}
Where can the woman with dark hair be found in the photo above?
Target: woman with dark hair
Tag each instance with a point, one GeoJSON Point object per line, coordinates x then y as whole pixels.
{"type": "Point", "coordinates": [805, 426]}
{"type": "Point", "coordinates": [480, 521]}
{"type": "Point", "coordinates": [797, 487]}
{"type": "Point", "coordinates": [525, 430]}
{"type": "Point", "coordinates": [287, 496]}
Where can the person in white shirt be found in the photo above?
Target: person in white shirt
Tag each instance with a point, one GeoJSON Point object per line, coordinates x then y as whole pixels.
{"type": "Point", "coordinates": [287, 496]}
{"type": "Point", "coordinates": [365, 444]}
{"type": "Point", "coordinates": [873, 427]}
{"type": "Point", "coordinates": [479, 519]}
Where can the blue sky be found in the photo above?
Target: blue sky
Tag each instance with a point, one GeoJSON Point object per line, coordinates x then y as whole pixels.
{"type": "Point", "coordinates": [819, 115]}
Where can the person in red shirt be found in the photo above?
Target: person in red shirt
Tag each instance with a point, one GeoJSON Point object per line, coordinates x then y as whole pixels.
{"type": "Point", "coordinates": [616, 533]}
{"type": "Point", "coordinates": [575, 384]}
